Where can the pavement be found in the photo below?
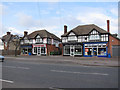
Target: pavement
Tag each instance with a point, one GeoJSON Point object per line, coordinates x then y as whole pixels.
{"type": "Point", "coordinates": [87, 61]}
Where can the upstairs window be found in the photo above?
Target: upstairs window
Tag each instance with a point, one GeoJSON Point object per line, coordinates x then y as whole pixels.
{"type": "Point", "coordinates": [38, 39]}
{"type": "Point", "coordinates": [72, 38]}
{"type": "Point", "coordinates": [94, 37]}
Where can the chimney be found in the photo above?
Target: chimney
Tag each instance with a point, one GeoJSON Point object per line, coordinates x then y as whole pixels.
{"type": "Point", "coordinates": [65, 29]}
{"type": "Point", "coordinates": [8, 33]}
{"type": "Point", "coordinates": [108, 25]}
{"type": "Point", "coordinates": [25, 33]}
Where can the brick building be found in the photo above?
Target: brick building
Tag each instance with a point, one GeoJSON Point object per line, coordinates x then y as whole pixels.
{"type": "Point", "coordinates": [39, 42]}
{"type": "Point", "coordinates": [90, 40]}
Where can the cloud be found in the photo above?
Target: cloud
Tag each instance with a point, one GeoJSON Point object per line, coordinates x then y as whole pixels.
{"type": "Point", "coordinates": [26, 21]}
{"type": "Point", "coordinates": [114, 11]}
{"type": "Point", "coordinates": [100, 20]}
{"type": "Point", "coordinates": [44, 12]}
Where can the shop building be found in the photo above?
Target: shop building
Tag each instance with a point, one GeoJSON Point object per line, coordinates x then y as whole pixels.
{"type": "Point", "coordinates": [88, 40]}
{"type": "Point", "coordinates": [39, 42]}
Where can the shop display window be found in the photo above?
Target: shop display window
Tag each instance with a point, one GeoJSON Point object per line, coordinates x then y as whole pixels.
{"type": "Point", "coordinates": [67, 50]}
{"type": "Point", "coordinates": [101, 51]}
{"type": "Point", "coordinates": [88, 51]}
{"type": "Point", "coordinates": [43, 50]}
{"type": "Point", "coordinates": [78, 50]}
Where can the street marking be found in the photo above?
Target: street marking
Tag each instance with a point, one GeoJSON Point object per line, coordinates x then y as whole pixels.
{"type": "Point", "coordinates": [6, 81]}
{"type": "Point", "coordinates": [16, 67]}
{"type": "Point", "coordinates": [79, 72]}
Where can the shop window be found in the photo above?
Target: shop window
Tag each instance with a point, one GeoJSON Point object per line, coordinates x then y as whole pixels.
{"type": "Point", "coordinates": [67, 50]}
{"type": "Point", "coordinates": [101, 51]}
{"type": "Point", "coordinates": [78, 50]}
{"type": "Point", "coordinates": [43, 50]}
{"type": "Point", "coordinates": [88, 51]}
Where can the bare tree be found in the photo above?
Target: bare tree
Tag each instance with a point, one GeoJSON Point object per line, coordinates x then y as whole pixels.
{"type": "Point", "coordinates": [16, 42]}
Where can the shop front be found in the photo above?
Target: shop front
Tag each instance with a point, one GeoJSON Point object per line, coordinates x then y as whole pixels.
{"type": "Point", "coordinates": [39, 49]}
{"type": "Point", "coordinates": [72, 50]}
{"type": "Point", "coordinates": [26, 49]}
{"type": "Point", "coordinates": [95, 49]}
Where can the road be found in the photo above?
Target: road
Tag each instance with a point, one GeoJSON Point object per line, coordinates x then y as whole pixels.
{"type": "Point", "coordinates": [34, 74]}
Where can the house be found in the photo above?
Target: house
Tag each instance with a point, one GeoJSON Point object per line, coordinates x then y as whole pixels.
{"type": "Point", "coordinates": [1, 46]}
{"type": "Point", "coordinates": [89, 40]}
{"type": "Point", "coordinates": [10, 41]}
{"type": "Point", "coordinates": [39, 42]}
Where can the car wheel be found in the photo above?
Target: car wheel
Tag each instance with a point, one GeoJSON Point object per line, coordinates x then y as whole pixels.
{"type": "Point", "coordinates": [2, 59]}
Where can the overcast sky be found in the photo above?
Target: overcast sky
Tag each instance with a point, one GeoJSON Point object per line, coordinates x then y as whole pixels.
{"type": "Point", "coordinates": [18, 17]}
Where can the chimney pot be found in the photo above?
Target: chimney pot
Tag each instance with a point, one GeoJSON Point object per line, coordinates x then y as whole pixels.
{"type": "Point", "coordinates": [8, 33]}
{"type": "Point", "coordinates": [25, 33]}
{"type": "Point", "coordinates": [108, 25]}
{"type": "Point", "coordinates": [65, 29]}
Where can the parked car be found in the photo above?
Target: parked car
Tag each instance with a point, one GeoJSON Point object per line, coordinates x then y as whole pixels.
{"type": "Point", "coordinates": [2, 58]}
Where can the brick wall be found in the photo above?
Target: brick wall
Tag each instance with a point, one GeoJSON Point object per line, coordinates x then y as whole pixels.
{"type": "Point", "coordinates": [51, 48]}
{"type": "Point", "coordinates": [112, 41]}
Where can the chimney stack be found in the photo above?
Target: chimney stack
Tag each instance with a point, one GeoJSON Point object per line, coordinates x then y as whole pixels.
{"type": "Point", "coordinates": [108, 25]}
{"type": "Point", "coordinates": [8, 33]}
{"type": "Point", "coordinates": [25, 33]}
{"type": "Point", "coordinates": [65, 29]}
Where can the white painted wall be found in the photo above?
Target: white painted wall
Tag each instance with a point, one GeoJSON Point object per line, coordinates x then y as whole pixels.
{"type": "Point", "coordinates": [1, 45]}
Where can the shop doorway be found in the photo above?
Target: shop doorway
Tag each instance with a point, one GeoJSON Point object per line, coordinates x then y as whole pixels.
{"type": "Point", "coordinates": [94, 51]}
{"type": "Point", "coordinates": [71, 50]}
{"type": "Point", "coordinates": [38, 51]}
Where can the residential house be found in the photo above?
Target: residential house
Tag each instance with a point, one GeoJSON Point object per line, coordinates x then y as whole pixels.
{"type": "Point", "coordinates": [9, 41]}
{"type": "Point", "coordinates": [89, 40]}
{"type": "Point", "coordinates": [39, 42]}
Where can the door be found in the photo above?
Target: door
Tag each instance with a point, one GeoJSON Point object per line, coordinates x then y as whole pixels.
{"type": "Point", "coordinates": [115, 50]}
{"type": "Point", "coordinates": [39, 51]}
{"type": "Point", "coordinates": [71, 50]}
{"type": "Point", "coordinates": [94, 51]}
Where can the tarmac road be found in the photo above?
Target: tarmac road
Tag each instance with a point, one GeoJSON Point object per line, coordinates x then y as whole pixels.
{"type": "Point", "coordinates": [27, 73]}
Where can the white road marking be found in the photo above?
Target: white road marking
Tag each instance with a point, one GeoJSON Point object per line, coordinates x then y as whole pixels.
{"type": "Point", "coordinates": [16, 67]}
{"type": "Point", "coordinates": [6, 81]}
{"type": "Point", "coordinates": [78, 72]}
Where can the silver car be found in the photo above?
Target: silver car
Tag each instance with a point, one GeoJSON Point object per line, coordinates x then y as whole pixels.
{"type": "Point", "coordinates": [2, 58]}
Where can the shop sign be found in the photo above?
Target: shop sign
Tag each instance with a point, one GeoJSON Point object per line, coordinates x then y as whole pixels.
{"type": "Point", "coordinates": [39, 45]}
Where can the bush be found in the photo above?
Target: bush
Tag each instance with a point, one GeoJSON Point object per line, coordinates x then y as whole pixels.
{"type": "Point", "coordinates": [55, 53]}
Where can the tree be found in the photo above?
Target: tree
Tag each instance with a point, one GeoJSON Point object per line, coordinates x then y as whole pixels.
{"type": "Point", "coordinates": [16, 42]}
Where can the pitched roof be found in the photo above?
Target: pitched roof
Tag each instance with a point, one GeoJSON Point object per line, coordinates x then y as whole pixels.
{"type": "Point", "coordinates": [85, 29]}
{"type": "Point", "coordinates": [42, 33]}
{"type": "Point", "coordinates": [7, 38]}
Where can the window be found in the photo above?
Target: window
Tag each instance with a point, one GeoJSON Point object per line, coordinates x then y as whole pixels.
{"type": "Point", "coordinates": [78, 50]}
{"type": "Point", "coordinates": [31, 41]}
{"type": "Point", "coordinates": [66, 50]}
{"type": "Point", "coordinates": [42, 50]}
{"type": "Point", "coordinates": [94, 37]}
{"type": "Point", "coordinates": [101, 51]}
{"type": "Point", "coordinates": [49, 41]}
{"type": "Point", "coordinates": [38, 40]}
{"type": "Point", "coordinates": [72, 38]}
{"type": "Point", "coordinates": [64, 39]}
{"type": "Point", "coordinates": [26, 41]}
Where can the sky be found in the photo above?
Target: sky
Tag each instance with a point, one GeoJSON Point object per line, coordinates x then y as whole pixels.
{"type": "Point", "coordinates": [18, 17]}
